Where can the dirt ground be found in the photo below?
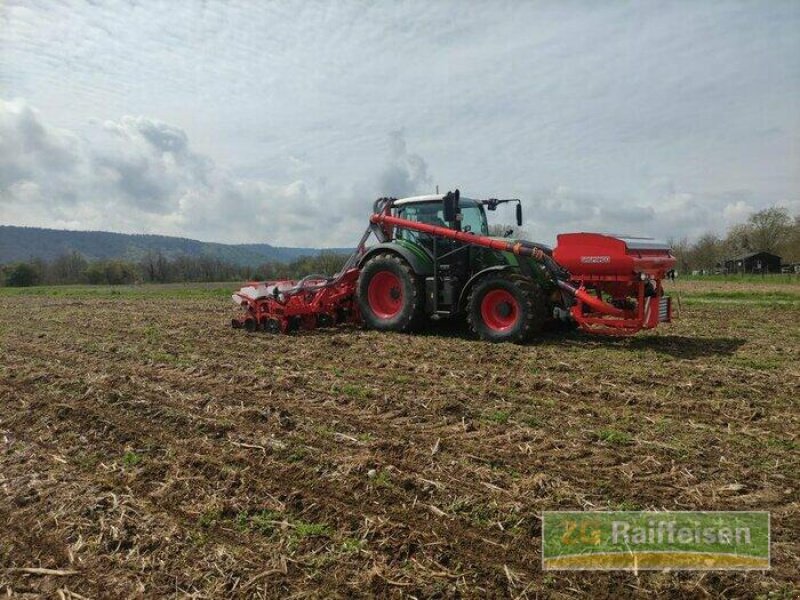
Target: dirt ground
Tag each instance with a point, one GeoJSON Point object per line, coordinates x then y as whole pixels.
{"type": "Point", "coordinates": [148, 450]}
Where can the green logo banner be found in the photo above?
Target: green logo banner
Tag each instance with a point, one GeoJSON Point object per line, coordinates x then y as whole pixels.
{"type": "Point", "coordinates": [639, 540]}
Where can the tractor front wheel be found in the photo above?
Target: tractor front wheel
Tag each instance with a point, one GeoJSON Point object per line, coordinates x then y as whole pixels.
{"type": "Point", "coordinates": [389, 294]}
{"type": "Point", "coordinates": [505, 307]}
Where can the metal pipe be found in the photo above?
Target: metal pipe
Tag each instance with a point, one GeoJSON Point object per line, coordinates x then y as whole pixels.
{"type": "Point", "coordinates": [462, 236]}
{"type": "Point", "coordinates": [520, 248]}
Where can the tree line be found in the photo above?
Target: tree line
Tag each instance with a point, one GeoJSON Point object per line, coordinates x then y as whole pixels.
{"type": "Point", "coordinates": [770, 230]}
{"type": "Point", "coordinates": [155, 267]}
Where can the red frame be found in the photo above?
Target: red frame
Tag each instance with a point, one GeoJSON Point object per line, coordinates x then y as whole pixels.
{"type": "Point", "coordinates": [308, 306]}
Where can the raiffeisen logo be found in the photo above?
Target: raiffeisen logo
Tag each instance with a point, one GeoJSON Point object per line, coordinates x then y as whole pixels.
{"type": "Point", "coordinates": [655, 540]}
{"type": "Point", "coordinates": [661, 532]}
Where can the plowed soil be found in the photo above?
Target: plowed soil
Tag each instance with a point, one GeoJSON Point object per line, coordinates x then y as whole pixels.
{"type": "Point", "coordinates": [148, 450]}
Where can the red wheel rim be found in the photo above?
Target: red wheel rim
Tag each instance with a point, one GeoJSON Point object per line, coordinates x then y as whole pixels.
{"type": "Point", "coordinates": [499, 310]}
{"type": "Point", "coordinates": [385, 294]}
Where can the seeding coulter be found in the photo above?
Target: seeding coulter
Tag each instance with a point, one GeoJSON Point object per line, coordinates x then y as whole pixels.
{"type": "Point", "coordinates": [434, 258]}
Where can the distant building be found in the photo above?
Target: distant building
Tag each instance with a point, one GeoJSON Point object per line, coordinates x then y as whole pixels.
{"type": "Point", "coordinates": [755, 262]}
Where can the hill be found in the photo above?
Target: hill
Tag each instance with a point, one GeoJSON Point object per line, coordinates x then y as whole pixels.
{"type": "Point", "coordinates": [25, 243]}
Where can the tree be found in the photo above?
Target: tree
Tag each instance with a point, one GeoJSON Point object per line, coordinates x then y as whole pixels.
{"type": "Point", "coordinates": [682, 250]}
{"type": "Point", "coordinates": [792, 247]}
{"type": "Point", "coordinates": [738, 241]}
{"type": "Point", "coordinates": [706, 252]}
{"type": "Point", "coordinates": [769, 229]}
{"type": "Point", "coordinates": [119, 272]}
{"type": "Point", "coordinates": [69, 268]}
{"type": "Point", "coordinates": [23, 275]}
{"type": "Point", "coordinates": [111, 272]}
{"type": "Point", "coordinates": [155, 267]}
{"type": "Point", "coordinates": [329, 263]}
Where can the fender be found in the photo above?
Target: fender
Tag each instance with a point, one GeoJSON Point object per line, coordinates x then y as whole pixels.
{"type": "Point", "coordinates": [420, 263]}
{"type": "Point", "coordinates": [462, 299]}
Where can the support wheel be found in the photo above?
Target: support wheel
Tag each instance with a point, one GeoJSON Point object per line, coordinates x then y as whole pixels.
{"type": "Point", "coordinates": [389, 294]}
{"type": "Point", "coordinates": [506, 307]}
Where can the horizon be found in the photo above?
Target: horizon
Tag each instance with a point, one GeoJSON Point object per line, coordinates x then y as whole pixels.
{"type": "Point", "coordinates": [266, 124]}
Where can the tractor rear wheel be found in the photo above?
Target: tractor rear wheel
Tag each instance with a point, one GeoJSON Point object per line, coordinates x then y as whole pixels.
{"type": "Point", "coordinates": [506, 307]}
{"type": "Point", "coordinates": [389, 294]}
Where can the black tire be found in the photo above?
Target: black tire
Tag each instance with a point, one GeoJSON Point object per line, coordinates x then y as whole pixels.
{"type": "Point", "coordinates": [506, 307]}
{"type": "Point", "coordinates": [390, 294]}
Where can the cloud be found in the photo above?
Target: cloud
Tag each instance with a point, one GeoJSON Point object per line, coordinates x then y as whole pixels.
{"type": "Point", "coordinates": [141, 175]}
{"type": "Point", "coordinates": [138, 174]}
{"type": "Point", "coordinates": [406, 173]}
{"type": "Point", "coordinates": [656, 119]}
{"type": "Point", "coordinates": [672, 213]}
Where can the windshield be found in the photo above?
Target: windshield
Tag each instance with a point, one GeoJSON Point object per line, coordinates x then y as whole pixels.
{"type": "Point", "coordinates": [473, 217]}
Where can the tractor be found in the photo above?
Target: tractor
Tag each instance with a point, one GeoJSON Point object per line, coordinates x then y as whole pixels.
{"type": "Point", "coordinates": [434, 259]}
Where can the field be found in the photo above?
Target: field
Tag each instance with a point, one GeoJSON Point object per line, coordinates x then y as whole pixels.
{"type": "Point", "coordinates": [148, 450]}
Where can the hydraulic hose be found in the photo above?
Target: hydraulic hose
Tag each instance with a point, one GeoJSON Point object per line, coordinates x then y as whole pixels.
{"type": "Point", "coordinates": [596, 303]}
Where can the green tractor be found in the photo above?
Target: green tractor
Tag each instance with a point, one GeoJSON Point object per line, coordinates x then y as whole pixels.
{"type": "Point", "coordinates": [412, 275]}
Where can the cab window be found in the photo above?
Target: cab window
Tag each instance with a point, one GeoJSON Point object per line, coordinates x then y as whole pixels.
{"type": "Point", "coordinates": [431, 213]}
{"type": "Point", "coordinates": [473, 218]}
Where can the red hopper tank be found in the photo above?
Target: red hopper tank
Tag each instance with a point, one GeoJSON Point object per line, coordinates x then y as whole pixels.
{"type": "Point", "coordinates": [601, 257]}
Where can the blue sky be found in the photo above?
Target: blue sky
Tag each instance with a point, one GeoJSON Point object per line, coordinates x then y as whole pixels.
{"type": "Point", "coordinates": [281, 121]}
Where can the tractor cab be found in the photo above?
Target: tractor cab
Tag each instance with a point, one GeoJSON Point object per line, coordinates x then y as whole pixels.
{"type": "Point", "coordinates": [431, 210]}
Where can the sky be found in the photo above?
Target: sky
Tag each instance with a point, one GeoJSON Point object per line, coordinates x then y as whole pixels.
{"type": "Point", "coordinates": [281, 122]}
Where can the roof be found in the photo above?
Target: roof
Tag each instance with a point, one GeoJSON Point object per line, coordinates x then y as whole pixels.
{"type": "Point", "coordinates": [752, 255]}
{"type": "Point", "coordinates": [427, 198]}
{"type": "Point", "coordinates": [416, 199]}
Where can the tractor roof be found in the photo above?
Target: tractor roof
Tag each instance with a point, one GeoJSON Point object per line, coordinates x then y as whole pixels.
{"type": "Point", "coordinates": [416, 199]}
{"type": "Point", "coordinates": [426, 198]}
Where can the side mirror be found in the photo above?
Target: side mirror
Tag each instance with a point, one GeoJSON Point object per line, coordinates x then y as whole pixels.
{"type": "Point", "coordinates": [519, 214]}
{"type": "Point", "coordinates": [450, 208]}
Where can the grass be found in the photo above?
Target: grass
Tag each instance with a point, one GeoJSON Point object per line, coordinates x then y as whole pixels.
{"type": "Point", "coordinates": [746, 278]}
{"type": "Point", "coordinates": [614, 436]}
{"type": "Point", "coordinates": [744, 297]}
{"type": "Point", "coordinates": [500, 417]}
{"type": "Point", "coordinates": [182, 291]}
{"type": "Point", "coordinates": [131, 459]}
{"type": "Point", "coordinates": [209, 518]}
{"type": "Point", "coordinates": [533, 422]}
{"type": "Point", "coordinates": [263, 522]}
{"type": "Point", "coordinates": [355, 391]}
{"type": "Point", "coordinates": [303, 529]}
{"type": "Point", "coordinates": [352, 546]}
{"type": "Point", "coordinates": [758, 363]}
{"type": "Point", "coordinates": [382, 478]}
